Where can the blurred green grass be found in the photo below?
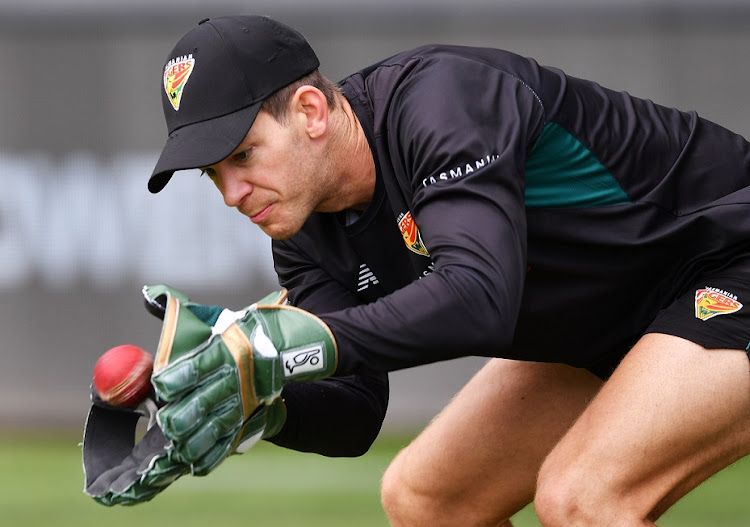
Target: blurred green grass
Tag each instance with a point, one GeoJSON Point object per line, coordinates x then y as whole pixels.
{"type": "Point", "coordinates": [41, 483]}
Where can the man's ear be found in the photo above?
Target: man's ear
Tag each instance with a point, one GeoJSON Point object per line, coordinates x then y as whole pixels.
{"type": "Point", "coordinates": [310, 108]}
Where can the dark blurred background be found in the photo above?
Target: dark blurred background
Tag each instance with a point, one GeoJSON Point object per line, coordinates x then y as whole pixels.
{"type": "Point", "coordinates": [81, 127]}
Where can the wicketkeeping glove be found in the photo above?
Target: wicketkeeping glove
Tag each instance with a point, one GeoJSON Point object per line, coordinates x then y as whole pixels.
{"type": "Point", "coordinates": [218, 376]}
{"type": "Point", "coordinates": [117, 470]}
{"type": "Point", "coordinates": [223, 394]}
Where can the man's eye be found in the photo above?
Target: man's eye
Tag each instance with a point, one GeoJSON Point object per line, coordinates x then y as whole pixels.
{"type": "Point", "coordinates": [242, 156]}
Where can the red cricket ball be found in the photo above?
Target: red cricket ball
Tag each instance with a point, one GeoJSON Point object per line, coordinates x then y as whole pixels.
{"type": "Point", "coordinates": [122, 375]}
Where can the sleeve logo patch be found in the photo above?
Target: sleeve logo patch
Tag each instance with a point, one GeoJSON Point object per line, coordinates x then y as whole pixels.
{"type": "Point", "coordinates": [303, 360]}
{"type": "Point", "coordinates": [711, 302]}
{"type": "Point", "coordinates": [176, 74]}
{"type": "Point", "coordinates": [410, 232]}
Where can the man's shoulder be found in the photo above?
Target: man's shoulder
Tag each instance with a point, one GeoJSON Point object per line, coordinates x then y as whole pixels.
{"type": "Point", "coordinates": [436, 54]}
{"type": "Point", "coordinates": [435, 64]}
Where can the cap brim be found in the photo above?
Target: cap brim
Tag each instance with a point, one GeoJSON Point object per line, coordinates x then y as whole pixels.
{"type": "Point", "coordinates": [201, 144]}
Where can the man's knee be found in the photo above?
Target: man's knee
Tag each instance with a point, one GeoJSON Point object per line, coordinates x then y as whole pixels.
{"type": "Point", "coordinates": [390, 494]}
{"type": "Point", "coordinates": [574, 494]}
{"type": "Point", "coordinates": [400, 499]}
{"type": "Point", "coordinates": [412, 501]}
{"type": "Point", "coordinates": [405, 502]}
{"type": "Point", "coordinates": [558, 500]}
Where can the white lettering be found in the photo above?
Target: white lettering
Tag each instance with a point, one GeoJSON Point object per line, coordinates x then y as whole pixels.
{"type": "Point", "coordinates": [428, 271]}
{"type": "Point", "coordinates": [721, 292]}
{"type": "Point", "coordinates": [81, 219]}
{"type": "Point", "coordinates": [176, 60]}
{"type": "Point", "coordinates": [460, 171]}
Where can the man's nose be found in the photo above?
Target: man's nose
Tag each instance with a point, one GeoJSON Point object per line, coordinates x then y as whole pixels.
{"type": "Point", "coordinates": [233, 188]}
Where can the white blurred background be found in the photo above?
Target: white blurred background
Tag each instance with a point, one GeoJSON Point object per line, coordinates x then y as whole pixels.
{"type": "Point", "coordinates": [81, 127]}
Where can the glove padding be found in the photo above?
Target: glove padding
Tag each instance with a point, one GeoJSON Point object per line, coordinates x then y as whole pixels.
{"type": "Point", "coordinates": [223, 395]}
{"type": "Point", "coordinates": [116, 469]}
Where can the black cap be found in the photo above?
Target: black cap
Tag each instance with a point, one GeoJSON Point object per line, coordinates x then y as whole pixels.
{"type": "Point", "coordinates": [214, 83]}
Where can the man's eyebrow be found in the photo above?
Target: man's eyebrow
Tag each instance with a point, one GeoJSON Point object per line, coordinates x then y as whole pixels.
{"type": "Point", "coordinates": [244, 145]}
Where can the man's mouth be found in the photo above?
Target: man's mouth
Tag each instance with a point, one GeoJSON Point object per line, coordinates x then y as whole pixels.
{"type": "Point", "coordinates": [261, 215]}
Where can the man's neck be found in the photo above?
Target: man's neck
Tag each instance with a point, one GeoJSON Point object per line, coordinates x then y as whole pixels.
{"type": "Point", "coordinates": [357, 162]}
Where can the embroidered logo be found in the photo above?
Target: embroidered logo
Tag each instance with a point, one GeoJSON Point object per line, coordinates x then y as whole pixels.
{"type": "Point", "coordinates": [176, 74]}
{"type": "Point", "coordinates": [303, 360]}
{"type": "Point", "coordinates": [410, 232]}
{"type": "Point", "coordinates": [711, 302]}
{"type": "Point", "coordinates": [365, 278]}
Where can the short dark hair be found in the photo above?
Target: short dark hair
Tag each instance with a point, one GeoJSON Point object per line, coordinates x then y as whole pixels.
{"type": "Point", "coordinates": [277, 104]}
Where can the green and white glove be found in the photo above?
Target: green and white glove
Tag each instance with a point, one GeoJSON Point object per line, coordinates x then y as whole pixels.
{"type": "Point", "coordinates": [218, 378]}
{"type": "Point", "coordinates": [221, 380]}
{"type": "Point", "coordinates": [119, 471]}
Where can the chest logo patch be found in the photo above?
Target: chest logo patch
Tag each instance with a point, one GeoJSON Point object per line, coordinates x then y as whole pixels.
{"type": "Point", "coordinates": [711, 302]}
{"type": "Point", "coordinates": [176, 74]}
{"type": "Point", "coordinates": [410, 232]}
{"type": "Point", "coordinates": [365, 278]}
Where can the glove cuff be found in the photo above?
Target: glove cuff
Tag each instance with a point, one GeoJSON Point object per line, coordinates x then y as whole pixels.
{"type": "Point", "coordinates": [306, 345]}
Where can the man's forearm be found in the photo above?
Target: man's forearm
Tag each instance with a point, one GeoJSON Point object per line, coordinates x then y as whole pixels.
{"type": "Point", "coordinates": [335, 417]}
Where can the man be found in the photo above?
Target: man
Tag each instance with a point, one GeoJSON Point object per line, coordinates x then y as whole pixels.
{"type": "Point", "coordinates": [453, 201]}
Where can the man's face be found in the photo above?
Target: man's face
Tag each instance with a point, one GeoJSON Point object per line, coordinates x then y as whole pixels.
{"type": "Point", "coordinates": [275, 177]}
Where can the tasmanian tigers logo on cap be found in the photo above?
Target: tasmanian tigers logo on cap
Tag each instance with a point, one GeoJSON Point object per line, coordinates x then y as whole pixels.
{"type": "Point", "coordinates": [176, 74]}
{"type": "Point", "coordinates": [410, 232]}
{"type": "Point", "coordinates": [711, 302]}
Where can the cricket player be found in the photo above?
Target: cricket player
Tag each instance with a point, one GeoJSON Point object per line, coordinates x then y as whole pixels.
{"type": "Point", "coordinates": [446, 202]}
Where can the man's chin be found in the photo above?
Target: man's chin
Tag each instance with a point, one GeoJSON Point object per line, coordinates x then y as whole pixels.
{"type": "Point", "coordinates": [277, 232]}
